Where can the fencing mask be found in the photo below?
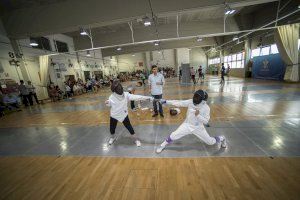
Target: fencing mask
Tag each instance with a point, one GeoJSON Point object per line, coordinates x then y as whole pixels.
{"type": "Point", "coordinates": [174, 111]}
{"type": "Point", "coordinates": [117, 87]}
{"type": "Point", "coordinates": [198, 97]}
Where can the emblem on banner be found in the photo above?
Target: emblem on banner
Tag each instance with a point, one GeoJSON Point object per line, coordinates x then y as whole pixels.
{"type": "Point", "coordinates": [266, 65]}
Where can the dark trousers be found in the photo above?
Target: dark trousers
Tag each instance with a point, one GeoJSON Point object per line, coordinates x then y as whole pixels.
{"type": "Point", "coordinates": [157, 97]}
{"type": "Point", "coordinates": [26, 99]}
{"type": "Point", "coordinates": [126, 123]}
{"type": "Point", "coordinates": [222, 78]}
{"type": "Point", "coordinates": [132, 105]}
{"type": "Point", "coordinates": [193, 78]}
{"type": "Point", "coordinates": [35, 97]}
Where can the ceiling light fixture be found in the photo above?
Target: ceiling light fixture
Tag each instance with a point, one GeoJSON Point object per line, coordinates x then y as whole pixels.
{"type": "Point", "coordinates": [231, 12]}
{"type": "Point", "coordinates": [228, 10]}
{"type": "Point", "coordinates": [156, 43]}
{"type": "Point", "coordinates": [235, 38]}
{"type": "Point", "coordinates": [133, 55]}
{"type": "Point", "coordinates": [199, 39]}
{"type": "Point", "coordinates": [159, 52]}
{"type": "Point", "coordinates": [33, 43]}
{"type": "Point", "coordinates": [88, 53]}
{"type": "Point", "coordinates": [83, 32]}
{"type": "Point", "coordinates": [147, 21]}
{"type": "Point", "coordinates": [119, 49]}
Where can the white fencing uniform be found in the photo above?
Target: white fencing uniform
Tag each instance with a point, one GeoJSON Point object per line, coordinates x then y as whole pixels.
{"type": "Point", "coordinates": [118, 104]}
{"type": "Point", "coordinates": [192, 124]}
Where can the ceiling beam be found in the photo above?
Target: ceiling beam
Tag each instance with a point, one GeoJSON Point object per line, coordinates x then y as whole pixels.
{"type": "Point", "coordinates": [69, 15]}
{"type": "Point", "coordinates": [141, 34]}
{"type": "Point", "coordinates": [189, 43]}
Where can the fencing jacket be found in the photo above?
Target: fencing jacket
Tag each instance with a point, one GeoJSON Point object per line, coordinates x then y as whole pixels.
{"type": "Point", "coordinates": [194, 122]}
{"type": "Point", "coordinates": [118, 104]}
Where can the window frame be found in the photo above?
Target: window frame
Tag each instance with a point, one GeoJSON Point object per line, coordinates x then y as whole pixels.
{"type": "Point", "coordinates": [42, 42]}
{"type": "Point", "coordinates": [213, 61]}
{"type": "Point", "coordinates": [267, 52]}
{"type": "Point", "coordinates": [56, 47]}
{"type": "Point", "coordinates": [235, 58]}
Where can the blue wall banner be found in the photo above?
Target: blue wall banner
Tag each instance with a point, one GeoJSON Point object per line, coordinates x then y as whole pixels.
{"type": "Point", "coordinates": [269, 67]}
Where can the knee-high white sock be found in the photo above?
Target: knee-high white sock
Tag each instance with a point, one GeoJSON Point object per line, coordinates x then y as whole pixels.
{"type": "Point", "coordinates": [165, 143]}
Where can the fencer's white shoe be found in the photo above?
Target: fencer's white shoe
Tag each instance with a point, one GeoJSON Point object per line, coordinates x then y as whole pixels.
{"type": "Point", "coordinates": [223, 143]}
{"type": "Point", "coordinates": [138, 143]}
{"type": "Point", "coordinates": [160, 149]}
{"type": "Point", "coordinates": [111, 140]}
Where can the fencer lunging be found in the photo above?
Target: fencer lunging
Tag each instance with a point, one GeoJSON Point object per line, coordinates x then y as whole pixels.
{"type": "Point", "coordinates": [117, 102]}
{"type": "Point", "coordinates": [198, 114]}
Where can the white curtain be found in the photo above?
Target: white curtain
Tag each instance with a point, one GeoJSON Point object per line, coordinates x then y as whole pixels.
{"type": "Point", "coordinates": [286, 38]}
{"type": "Point", "coordinates": [44, 72]}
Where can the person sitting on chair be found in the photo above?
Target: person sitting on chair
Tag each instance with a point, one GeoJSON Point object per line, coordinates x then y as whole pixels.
{"type": "Point", "coordinates": [11, 101]}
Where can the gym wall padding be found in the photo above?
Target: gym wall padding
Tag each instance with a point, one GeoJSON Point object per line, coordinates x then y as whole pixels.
{"type": "Point", "coordinates": [270, 67]}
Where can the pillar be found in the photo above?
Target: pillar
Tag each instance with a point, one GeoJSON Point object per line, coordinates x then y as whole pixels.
{"type": "Point", "coordinates": [20, 57]}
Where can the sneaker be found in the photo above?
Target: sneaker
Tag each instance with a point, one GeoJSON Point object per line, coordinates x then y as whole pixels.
{"type": "Point", "coordinates": [111, 140]}
{"type": "Point", "coordinates": [224, 143]}
{"type": "Point", "coordinates": [162, 115]}
{"type": "Point", "coordinates": [138, 143]}
{"type": "Point", "coordinates": [154, 115]}
{"type": "Point", "coordinates": [160, 149]}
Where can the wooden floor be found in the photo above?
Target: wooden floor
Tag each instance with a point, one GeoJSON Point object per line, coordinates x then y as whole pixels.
{"type": "Point", "coordinates": [133, 178]}
{"type": "Point", "coordinates": [85, 177]}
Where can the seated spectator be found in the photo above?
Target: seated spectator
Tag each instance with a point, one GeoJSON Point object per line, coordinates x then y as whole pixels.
{"type": "Point", "coordinates": [143, 78]}
{"type": "Point", "coordinates": [53, 93]}
{"type": "Point", "coordinates": [75, 89]}
{"type": "Point", "coordinates": [11, 101]}
{"type": "Point", "coordinates": [96, 86]}
{"type": "Point", "coordinates": [89, 85]}
{"type": "Point", "coordinates": [81, 88]}
{"type": "Point", "coordinates": [59, 92]}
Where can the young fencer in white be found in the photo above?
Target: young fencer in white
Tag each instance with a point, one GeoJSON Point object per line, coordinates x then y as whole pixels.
{"type": "Point", "coordinates": [118, 103]}
{"type": "Point", "coordinates": [198, 114]}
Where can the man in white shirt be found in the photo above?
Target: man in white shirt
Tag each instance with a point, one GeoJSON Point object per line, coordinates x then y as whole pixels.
{"type": "Point", "coordinates": [24, 93]}
{"type": "Point", "coordinates": [198, 114]}
{"type": "Point", "coordinates": [156, 82]}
